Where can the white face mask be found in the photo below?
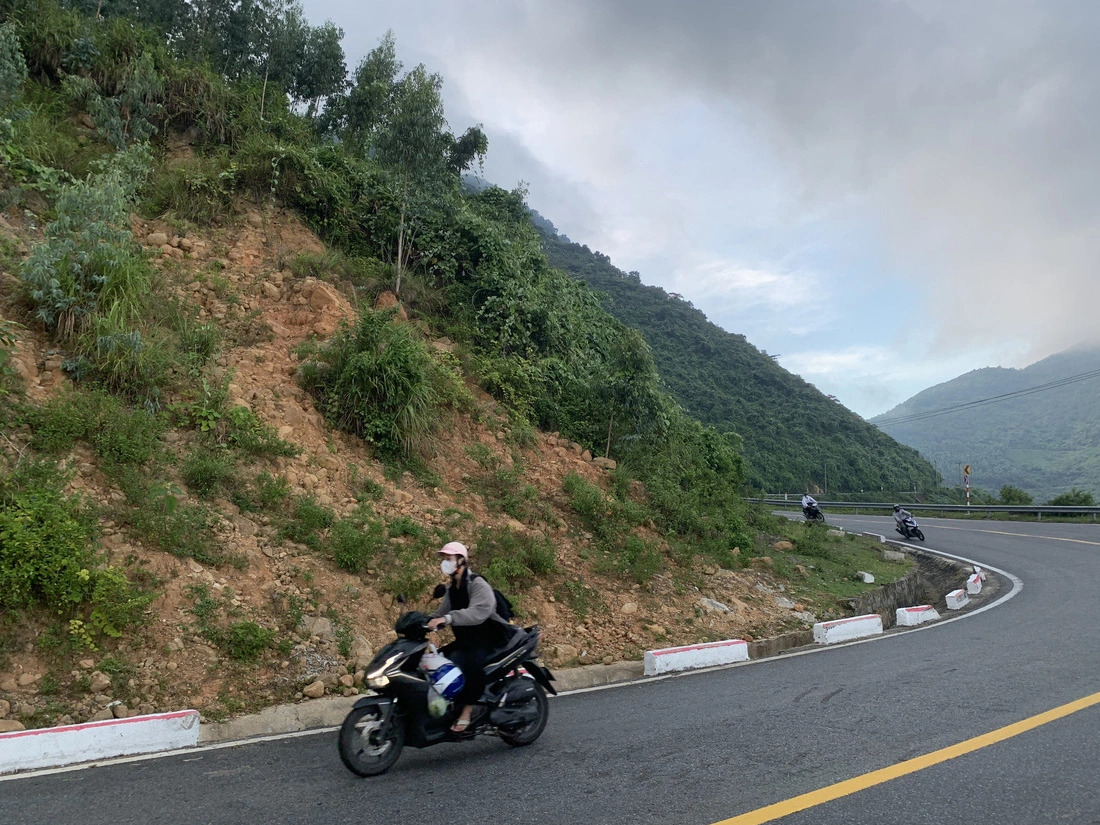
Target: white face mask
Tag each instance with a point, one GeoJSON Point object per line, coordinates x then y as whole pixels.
{"type": "Point", "coordinates": [448, 567]}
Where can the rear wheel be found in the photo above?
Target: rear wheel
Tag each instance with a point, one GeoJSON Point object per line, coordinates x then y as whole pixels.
{"type": "Point", "coordinates": [368, 746]}
{"type": "Point", "coordinates": [522, 735]}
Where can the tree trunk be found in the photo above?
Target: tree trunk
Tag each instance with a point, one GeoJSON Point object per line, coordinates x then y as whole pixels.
{"type": "Point", "coordinates": [263, 94]}
{"type": "Point", "coordinates": [401, 235]}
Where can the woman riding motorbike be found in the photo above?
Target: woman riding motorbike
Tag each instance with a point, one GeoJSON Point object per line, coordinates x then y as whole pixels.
{"type": "Point", "coordinates": [469, 609]}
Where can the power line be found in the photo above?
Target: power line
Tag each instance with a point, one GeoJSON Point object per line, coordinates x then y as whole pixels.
{"type": "Point", "coordinates": [1050, 385]}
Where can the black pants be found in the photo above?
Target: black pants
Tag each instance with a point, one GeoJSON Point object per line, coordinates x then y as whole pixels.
{"type": "Point", "coordinates": [471, 661]}
{"type": "Point", "coordinates": [472, 652]}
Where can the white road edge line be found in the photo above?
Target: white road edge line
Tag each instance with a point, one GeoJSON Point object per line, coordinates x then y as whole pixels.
{"type": "Point", "coordinates": [1017, 586]}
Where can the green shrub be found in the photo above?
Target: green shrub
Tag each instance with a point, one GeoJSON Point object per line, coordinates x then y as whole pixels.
{"type": "Point", "coordinates": [378, 381]}
{"type": "Point", "coordinates": [309, 519]}
{"type": "Point", "coordinates": [355, 543]}
{"type": "Point", "coordinates": [125, 355]}
{"type": "Point", "coordinates": [511, 560]}
{"type": "Point", "coordinates": [251, 436]}
{"type": "Point", "coordinates": [46, 558]}
{"type": "Point", "coordinates": [1074, 498]}
{"type": "Point", "coordinates": [206, 471]}
{"type": "Point", "coordinates": [639, 558]}
{"type": "Point", "coordinates": [87, 255]}
{"type": "Point", "coordinates": [266, 493]}
{"type": "Point", "coordinates": [812, 541]}
{"type": "Point", "coordinates": [404, 526]}
{"type": "Point", "coordinates": [199, 190]}
{"type": "Point", "coordinates": [404, 575]}
{"type": "Point", "coordinates": [117, 434]}
{"type": "Point", "coordinates": [244, 641]}
{"type": "Point", "coordinates": [158, 515]}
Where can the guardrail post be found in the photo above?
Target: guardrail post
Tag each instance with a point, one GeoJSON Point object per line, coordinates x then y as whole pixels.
{"type": "Point", "coordinates": [1039, 516]}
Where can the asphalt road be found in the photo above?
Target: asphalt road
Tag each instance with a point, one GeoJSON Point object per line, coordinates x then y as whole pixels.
{"type": "Point", "coordinates": [707, 747]}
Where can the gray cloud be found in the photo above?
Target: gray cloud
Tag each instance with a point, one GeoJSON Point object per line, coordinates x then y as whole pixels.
{"type": "Point", "coordinates": [968, 128]}
{"type": "Point", "coordinates": [958, 137]}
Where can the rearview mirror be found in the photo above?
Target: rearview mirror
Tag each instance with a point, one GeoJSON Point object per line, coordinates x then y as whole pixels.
{"type": "Point", "coordinates": [440, 591]}
{"type": "Point", "coordinates": [400, 598]}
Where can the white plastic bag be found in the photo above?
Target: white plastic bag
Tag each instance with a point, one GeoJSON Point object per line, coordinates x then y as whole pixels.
{"type": "Point", "coordinates": [430, 662]}
{"type": "Point", "coordinates": [433, 660]}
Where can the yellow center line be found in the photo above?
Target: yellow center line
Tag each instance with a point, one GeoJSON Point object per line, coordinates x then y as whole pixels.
{"type": "Point", "coordinates": [867, 780]}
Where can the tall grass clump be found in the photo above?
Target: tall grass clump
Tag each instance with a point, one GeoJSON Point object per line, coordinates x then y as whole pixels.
{"type": "Point", "coordinates": [88, 258]}
{"type": "Point", "coordinates": [377, 380]}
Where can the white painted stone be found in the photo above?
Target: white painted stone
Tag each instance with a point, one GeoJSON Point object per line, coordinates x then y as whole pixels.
{"type": "Point", "coordinates": [842, 630]}
{"type": "Point", "coordinates": [881, 538]}
{"type": "Point", "coordinates": [957, 599]}
{"type": "Point", "coordinates": [868, 578]}
{"type": "Point", "coordinates": [974, 584]}
{"type": "Point", "coordinates": [980, 572]}
{"type": "Point", "coordinates": [910, 616]}
{"type": "Point", "coordinates": [69, 744]}
{"type": "Point", "coordinates": [687, 657]}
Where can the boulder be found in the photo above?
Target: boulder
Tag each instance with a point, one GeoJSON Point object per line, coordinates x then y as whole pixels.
{"type": "Point", "coordinates": [99, 682]}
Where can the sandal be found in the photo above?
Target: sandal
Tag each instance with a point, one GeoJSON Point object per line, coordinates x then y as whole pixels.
{"type": "Point", "coordinates": [461, 725]}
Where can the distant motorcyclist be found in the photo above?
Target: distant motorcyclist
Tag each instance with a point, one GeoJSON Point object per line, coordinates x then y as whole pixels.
{"type": "Point", "coordinates": [469, 608]}
{"type": "Point", "coordinates": [901, 514]}
{"type": "Point", "coordinates": [809, 506]}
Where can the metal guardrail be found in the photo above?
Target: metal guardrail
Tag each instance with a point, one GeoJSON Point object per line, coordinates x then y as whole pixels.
{"type": "Point", "coordinates": [1037, 510]}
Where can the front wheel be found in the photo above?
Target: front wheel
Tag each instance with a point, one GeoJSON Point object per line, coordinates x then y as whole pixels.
{"type": "Point", "coordinates": [367, 745]}
{"type": "Point", "coordinates": [523, 735]}
{"type": "Point", "coordinates": [918, 534]}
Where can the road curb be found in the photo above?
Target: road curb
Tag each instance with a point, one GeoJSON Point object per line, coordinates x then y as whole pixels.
{"type": "Point", "coordinates": [92, 741]}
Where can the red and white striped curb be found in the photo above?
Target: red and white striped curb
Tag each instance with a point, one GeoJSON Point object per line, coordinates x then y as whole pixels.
{"type": "Point", "coordinates": [974, 584]}
{"type": "Point", "coordinates": [841, 630]}
{"type": "Point", "coordinates": [957, 599]}
{"type": "Point", "coordinates": [687, 657]}
{"type": "Point", "coordinates": [66, 745]}
{"type": "Point", "coordinates": [910, 616]}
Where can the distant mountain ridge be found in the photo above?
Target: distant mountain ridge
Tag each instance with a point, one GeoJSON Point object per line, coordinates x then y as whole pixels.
{"type": "Point", "coordinates": [1044, 442]}
{"type": "Point", "coordinates": [794, 437]}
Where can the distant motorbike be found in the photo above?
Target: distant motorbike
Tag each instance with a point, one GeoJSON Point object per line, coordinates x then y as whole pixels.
{"type": "Point", "coordinates": [813, 513]}
{"type": "Point", "coordinates": [397, 712]}
{"type": "Point", "coordinates": [908, 528]}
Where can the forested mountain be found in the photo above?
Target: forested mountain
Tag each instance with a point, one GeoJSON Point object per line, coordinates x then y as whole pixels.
{"type": "Point", "coordinates": [1044, 442]}
{"type": "Point", "coordinates": [794, 437]}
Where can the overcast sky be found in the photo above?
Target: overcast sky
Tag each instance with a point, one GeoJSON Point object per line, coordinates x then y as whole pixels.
{"type": "Point", "coordinates": [885, 194]}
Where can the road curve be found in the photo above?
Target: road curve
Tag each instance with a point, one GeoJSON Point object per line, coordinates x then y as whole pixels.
{"type": "Point", "coordinates": [720, 746]}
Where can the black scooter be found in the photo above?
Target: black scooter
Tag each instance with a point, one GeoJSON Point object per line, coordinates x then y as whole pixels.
{"type": "Point", "coordinates": [908, 528]}
{"type": "Point", "coordinates": [813, 513]}
{"type": "Point", "coordinates": [514, 705]}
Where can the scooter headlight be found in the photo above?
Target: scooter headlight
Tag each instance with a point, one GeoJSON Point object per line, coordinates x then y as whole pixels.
{"type": "Point", "coordinates": [378, 681]}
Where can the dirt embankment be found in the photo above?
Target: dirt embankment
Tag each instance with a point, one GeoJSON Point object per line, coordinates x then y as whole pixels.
{"type": "Point", "coordinates": [239, 278]}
